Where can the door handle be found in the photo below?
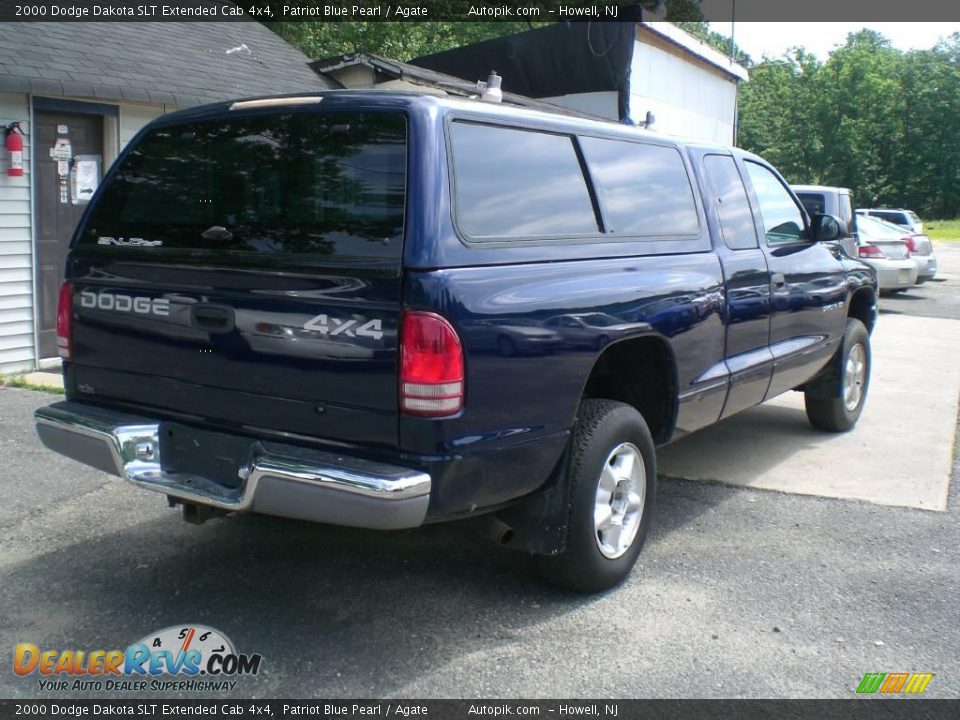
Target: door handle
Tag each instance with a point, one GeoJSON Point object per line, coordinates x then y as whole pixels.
{"type": "Point", "coordinates": [213, 318]}
{"type": "Point", "coordinates": [778, 280]}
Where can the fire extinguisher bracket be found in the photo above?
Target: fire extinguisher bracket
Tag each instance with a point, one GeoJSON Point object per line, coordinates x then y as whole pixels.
{"type": "Point", "coordinates": [14, 146]}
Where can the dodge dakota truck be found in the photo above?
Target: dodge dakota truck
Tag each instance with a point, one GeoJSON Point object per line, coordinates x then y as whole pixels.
{"type": "Point", "coordinates": [385, 309]}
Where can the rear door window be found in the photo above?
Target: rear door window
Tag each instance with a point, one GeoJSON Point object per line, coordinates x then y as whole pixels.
{"type": "Point", "coordinates": [897, 218]}
{"type": "Point", "coordinates": [733, 207]}
{"type": "Point", "coordinates": [327, 184]}
{"type": "Point", "coordinates": [643, 189]}
{"type": "Point", "coordinates": [513, 184]}
{"type": "Point", "coordinates": [813, 203]}
{"type": "Point", "coordinates": [845, 209]}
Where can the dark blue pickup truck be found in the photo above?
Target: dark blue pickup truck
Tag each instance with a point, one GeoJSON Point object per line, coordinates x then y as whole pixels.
{"type": "Point", "coordinates": [387, 309]}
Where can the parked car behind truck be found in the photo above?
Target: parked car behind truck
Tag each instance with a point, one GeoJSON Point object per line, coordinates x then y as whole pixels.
{"type": "Point", "coordinates": [898, 216]}
{"type": "Point", "coordinates": [409, 226]}
{"type": "Point", "coordinates": [884, 248]}
{"type": "Point", "coordinates": [835, 201]}
{"type": "Point", "coordinates": [918, 244]}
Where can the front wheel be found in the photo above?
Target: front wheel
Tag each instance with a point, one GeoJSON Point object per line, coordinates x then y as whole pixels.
{"type": "Point", "coordinates": [611, 485]}
{"type": "Point", "coordinates": [835, 401]}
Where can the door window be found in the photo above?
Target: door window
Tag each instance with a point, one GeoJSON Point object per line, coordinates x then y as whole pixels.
{"type": "Point", "coordinates": [733, 208]}
{"type": "Point", "coordinates": [782, 219]}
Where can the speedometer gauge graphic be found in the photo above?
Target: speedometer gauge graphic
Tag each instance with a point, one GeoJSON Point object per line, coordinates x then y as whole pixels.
{"type": "Point", "coordinates": [179, 640]}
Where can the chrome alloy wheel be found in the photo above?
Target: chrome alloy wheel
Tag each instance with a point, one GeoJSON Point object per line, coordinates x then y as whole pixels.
{"type": "Point", "coordinates": [854, 376]}
{"type": "Point", "coordinates": [618, 507]}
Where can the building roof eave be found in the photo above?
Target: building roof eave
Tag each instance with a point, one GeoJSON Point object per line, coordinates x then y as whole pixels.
{"type": "Point", "coordinates": [692, 45]}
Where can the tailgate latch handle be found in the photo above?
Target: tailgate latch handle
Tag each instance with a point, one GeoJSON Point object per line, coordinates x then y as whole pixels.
{"type": "Point", "coordinates": [213, 318]}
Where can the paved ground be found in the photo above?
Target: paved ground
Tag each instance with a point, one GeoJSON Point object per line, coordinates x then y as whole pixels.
{"type": "Point", "coordinates": [900, 452]}
{"type": "Point", "coordinates": [739, 592]}
{"type": "Point", "coordinates": [939, 297]}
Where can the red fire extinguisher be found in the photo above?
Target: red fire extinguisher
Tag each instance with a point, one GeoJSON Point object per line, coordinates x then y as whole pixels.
{"type": "Point", "coordinates": [15, 148]}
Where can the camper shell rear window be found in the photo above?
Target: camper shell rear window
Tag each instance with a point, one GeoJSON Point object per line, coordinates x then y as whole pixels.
{"type": "Point", "coordinates": [320, 184]}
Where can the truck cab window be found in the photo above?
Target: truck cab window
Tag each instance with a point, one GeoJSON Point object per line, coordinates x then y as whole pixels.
{"type": "Point", "coordinates": [733, 208]}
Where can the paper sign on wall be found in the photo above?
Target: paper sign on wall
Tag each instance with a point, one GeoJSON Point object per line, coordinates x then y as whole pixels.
{"type": "Point", "coordinates": [61, 150]}
{"type": "Point", "coordinates": [85, 178]}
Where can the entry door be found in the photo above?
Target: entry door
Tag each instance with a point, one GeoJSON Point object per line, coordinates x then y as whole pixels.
{"type": "Point", "coordinates": [807, 281]}
{"type": "Point", "coordinates": [57, 212]}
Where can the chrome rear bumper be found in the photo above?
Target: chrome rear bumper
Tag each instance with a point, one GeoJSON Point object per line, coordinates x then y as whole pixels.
{"type": "Point", "coordinates": [276, 480]}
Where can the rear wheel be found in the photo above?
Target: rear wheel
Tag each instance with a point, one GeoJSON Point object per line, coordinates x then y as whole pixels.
{"type": "Point", "coordinates": [611, 485]}
{"type": "Point", "coordinates": [835, 401]}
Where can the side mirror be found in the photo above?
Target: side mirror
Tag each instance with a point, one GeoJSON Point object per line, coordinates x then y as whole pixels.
{"type": "Point", "coordinates": [825, 228]}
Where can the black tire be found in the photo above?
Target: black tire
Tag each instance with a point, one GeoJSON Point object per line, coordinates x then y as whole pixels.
{"type": "Point", "coordinates": [602, 426]}
{"type": "Point", "coordinates": [825, 400]}
{"type": "Point", "coordinates": [505, 346]}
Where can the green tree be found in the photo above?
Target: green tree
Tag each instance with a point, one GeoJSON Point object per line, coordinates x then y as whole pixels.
{"type": "Point", "coordinates": [872, 118]}
{"type": "Point", "coordinates": [927, 163]}
{"type": "Point", "coordinates": [859, 114]}
{"type": "Point", "coordinates": [394, 40]}
{"type": "Point", "coordinates": [777, 117]}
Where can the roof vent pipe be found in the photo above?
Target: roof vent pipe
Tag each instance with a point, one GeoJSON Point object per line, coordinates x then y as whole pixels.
{"type": "Point", "coordinates": [490, 90]}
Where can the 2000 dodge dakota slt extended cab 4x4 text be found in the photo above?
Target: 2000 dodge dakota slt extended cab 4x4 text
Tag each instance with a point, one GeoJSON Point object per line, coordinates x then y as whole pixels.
{"type": "Point", "coordinates": [387, 309]}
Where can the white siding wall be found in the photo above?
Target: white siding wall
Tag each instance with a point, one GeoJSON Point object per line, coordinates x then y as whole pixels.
{"type": "Point", "coordinates": [16, 263]}
{"type": "Point", "coordinates": [603, 104]}
{"type": "Point", "coordinates": [134, 117]}
{"type": "Point", "coordinates": [16, 237]}
{"type": "Point", "coordinates": [687, 100]}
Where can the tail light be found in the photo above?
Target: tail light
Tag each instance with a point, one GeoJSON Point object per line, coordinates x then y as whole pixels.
{"type": "Point", "coordinates": [431, 366]}
{"type": "Point", "coordinates": [65, 321]}
{"type": "Point", "coordinates": [871, 251]}
{"type": "Point", "coordinates": [911, 244]}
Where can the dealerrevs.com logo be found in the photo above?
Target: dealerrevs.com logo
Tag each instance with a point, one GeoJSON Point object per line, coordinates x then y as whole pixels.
{"type": "Point", "coordinates": [180, 657]}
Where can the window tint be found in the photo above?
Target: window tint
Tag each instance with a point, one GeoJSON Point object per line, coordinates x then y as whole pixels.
{"type": "Point", "coordinates": [311, 183]}
{"type": "Point", "coordinates": [782, 221]}
{"type": "Point", "coordinates": [733, 208]}
{"type": "Point", "coordinates": [643, 189]}
{"type": "Point", "coordinates": [515, 184]}
{"type": "Point", "coordinates": [813, 203]}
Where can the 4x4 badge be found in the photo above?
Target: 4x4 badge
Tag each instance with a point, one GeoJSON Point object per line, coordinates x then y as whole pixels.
{"type": "Point", "coordinates": [326, 325]}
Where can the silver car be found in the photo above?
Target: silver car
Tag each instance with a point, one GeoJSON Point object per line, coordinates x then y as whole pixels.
{"type": "Point", "coordinates": [921, 249]}
{"type": "Point", "coordinates": [885, 250]}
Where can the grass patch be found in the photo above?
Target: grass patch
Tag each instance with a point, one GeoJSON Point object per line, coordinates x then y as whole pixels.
{"type": "Point", "coordinates": [18, 382]}
{"type": "Point", "coordinates": [942, 229]}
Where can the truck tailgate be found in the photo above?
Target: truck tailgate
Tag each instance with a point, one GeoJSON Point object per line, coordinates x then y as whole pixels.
{"type": "Point", "coordinates": [245, 269]}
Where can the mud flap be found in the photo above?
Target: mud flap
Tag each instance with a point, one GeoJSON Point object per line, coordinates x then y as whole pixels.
{"type": "Point", "coordinates": [540, 523]}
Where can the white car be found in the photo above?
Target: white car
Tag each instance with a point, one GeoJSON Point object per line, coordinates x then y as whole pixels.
{"type": "Point", "coordinates": [885, 250]}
